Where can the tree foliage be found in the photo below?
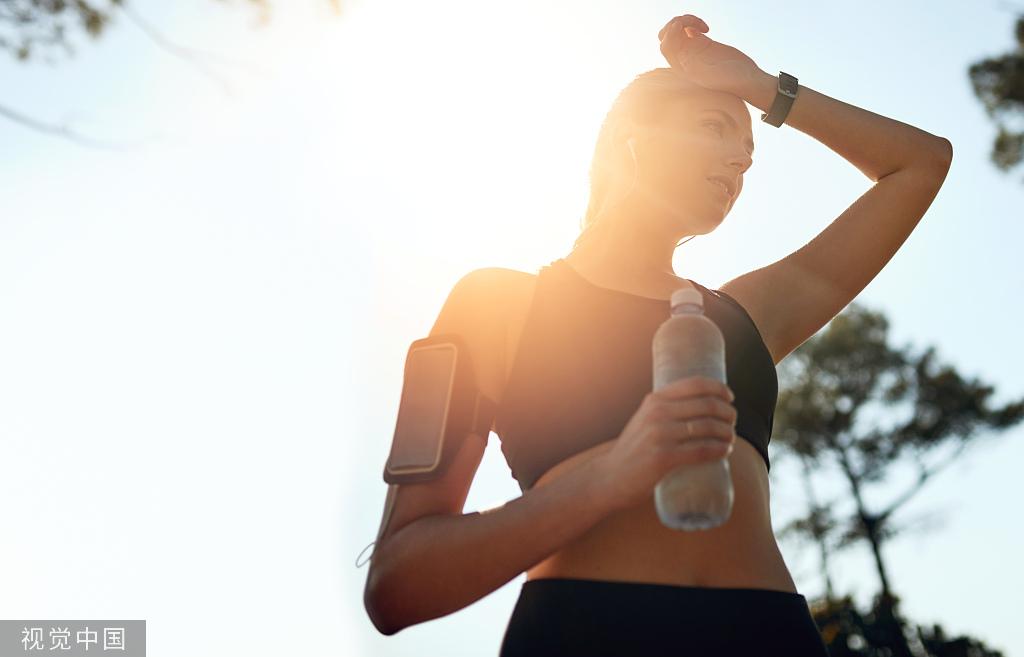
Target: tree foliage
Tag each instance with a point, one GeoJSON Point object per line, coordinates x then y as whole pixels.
{"type": "Point", "coordinates": [37, 28]}
{"type": "Point", "coordinates": [998, 82]}
{"type": "Point", "coordinates": [851, 403]}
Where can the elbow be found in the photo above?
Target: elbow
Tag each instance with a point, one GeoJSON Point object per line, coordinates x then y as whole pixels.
{"type": "Point", "coordinates": [376, 601]}
{"type": "Point", "coordinates": [379, 620]}
{"type": "Point", "coordinates": [943, 153]}
{"type": "Point", "coordinates": [946, 149]}
{"type": "Point", "coordinates": [934, 159]}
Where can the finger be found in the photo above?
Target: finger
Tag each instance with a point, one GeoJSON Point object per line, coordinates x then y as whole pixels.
{"type": "Point", "coordinates": [711, 406]}
{"type": "Point", "coordinates": [684, 20]}
{"type": "Point", "coordinates": [696, 387]}
{"type": "Point", "coordinates": [695, 21]}
{"type": "Point", "coordinates": [688, 386]}
{"type": "Point", "coordinates": [694, 33]}
{"type": "Point", "coordinates": [663, 31]}
{"type": "Point", "coordinates": [668, 34]}
{"type": "Point", "coordinates": [702, 428]}
{"type": "Point", "coordinates": [678, 47]}
{"type": "Point", "coordinates": [670, 43]}
{"type": "Point", "coordinates": [703, 450]}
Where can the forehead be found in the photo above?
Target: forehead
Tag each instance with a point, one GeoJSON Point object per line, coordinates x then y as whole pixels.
{"type": "Point", "coordinates": [727, 107]}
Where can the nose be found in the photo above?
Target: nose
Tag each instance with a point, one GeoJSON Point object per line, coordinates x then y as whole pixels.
{"type": "Point", "coordinates": [741, 160]}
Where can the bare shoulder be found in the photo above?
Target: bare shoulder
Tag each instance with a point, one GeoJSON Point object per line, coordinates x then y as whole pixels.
{"type": "Point", "coordinates": [497, 280]}
{"type": "Point", "coordinates": [485, 295]}
{"type": "Point", "coordinates": [510, 285]}
{"type": "Point", "coordinates": [487, 307]}
{"type": "Point", "coordinates": [749, 293]}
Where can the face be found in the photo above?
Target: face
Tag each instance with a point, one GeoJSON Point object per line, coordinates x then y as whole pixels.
{"type": "Point", "coordinates": [701, 136]}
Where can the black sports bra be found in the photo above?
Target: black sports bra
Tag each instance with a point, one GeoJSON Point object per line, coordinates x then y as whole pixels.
{"type": "Point", "coordinates": [584, 364]}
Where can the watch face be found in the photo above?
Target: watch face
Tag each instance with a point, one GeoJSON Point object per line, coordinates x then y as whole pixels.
{"type": "Point", "coordinates": [788, 83]}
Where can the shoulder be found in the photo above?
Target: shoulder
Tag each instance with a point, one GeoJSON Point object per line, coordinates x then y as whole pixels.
{"type": "Point", "coordinates": [494, 291]}
{"type": "Point", "coordinates": [747, 298]}
{"type": "Point", "coordinates": [492, 281]}
{"type": "Point", "coordinates": [480, 306]}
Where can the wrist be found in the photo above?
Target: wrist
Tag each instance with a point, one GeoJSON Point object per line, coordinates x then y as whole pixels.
{"type": "Point", "coordinates": [760, 88]}
{"type": "Point", "coordinates": [601, 489]}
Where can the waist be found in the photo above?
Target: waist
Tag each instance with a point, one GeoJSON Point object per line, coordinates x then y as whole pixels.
{"type": "Point", "coordinates": [632, 545]}
{"type": "Point", "coordinates": [763, 571]}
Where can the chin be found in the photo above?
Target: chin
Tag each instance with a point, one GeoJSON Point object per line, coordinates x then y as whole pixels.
{"type": "Point", "coordinates": [724, 212]}
{"type": "Point", "coordinates": [713, 223]}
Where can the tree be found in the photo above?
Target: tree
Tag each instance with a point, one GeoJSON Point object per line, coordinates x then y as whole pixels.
{"type": "Point", "coordinates": [828, 386]}
{"type": "Point", "coordinates": [30, 29]}
{"type": "Point", "coordinates": [849, 633]}
{"type": "Point", "coordinates": [998, 82]}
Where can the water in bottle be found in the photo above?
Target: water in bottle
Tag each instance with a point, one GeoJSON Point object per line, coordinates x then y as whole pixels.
{"type": "Point", "coordinates": [698, 495]}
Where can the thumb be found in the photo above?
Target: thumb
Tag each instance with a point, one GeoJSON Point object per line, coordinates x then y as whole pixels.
{"type": "Point", "coordinates": [694, 44]}
{"type": "Point", "coordinates": [695, 34]}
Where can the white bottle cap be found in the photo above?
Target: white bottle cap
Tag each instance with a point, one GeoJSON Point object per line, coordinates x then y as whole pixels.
{"type": "Point", "coordinates": [688, 294]}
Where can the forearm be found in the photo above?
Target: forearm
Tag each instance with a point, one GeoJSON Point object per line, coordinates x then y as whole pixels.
{"type": "Point", "coordinates": [440, 564]}
{"type": "Point", "coordinates": [875, 144]}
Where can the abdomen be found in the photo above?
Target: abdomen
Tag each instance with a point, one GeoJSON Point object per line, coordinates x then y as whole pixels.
{"type": "Point", "coordinates": [633, 545]}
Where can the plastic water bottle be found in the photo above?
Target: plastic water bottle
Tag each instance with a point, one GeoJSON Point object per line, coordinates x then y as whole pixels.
{"type": "Point", "coordinates": [694, 495]}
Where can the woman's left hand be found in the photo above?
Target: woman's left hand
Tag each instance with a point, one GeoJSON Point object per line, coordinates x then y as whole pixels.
{"type": "Point", "coordinates": [703, 61]}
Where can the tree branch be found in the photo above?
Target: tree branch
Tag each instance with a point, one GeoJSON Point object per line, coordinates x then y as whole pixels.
{"type": "Point", "coordinates": [924, 475]}
{"type": "Point", "coordinates": [193, 56]}
{"type": "Point", "coordinates": [64, 131]}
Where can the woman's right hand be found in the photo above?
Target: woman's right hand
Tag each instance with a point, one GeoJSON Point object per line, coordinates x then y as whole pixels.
{"type": "Point", "coordinates": [690, 420]}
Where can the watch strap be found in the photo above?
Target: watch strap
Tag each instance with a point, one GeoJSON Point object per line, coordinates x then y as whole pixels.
{"type": "Point", "coordinates": [784, 96]}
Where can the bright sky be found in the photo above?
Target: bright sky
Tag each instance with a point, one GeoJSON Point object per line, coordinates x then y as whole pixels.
{"type": "Point", "coordinates": [202, 340]}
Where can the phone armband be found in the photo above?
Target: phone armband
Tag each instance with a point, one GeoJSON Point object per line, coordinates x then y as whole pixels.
{"type": "Point", "coordinates": [440, 405]}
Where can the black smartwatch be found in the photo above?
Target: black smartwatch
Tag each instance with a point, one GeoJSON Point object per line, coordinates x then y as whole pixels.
{"type": "Point", "coordinates": [784, 97]}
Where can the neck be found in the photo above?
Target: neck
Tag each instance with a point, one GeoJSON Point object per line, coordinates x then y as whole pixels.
{"type": "Point", "coordinates": [624, 245]}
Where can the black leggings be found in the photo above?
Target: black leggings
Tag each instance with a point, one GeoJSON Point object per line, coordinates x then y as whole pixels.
{"type": "Point", "coordinates": [568, 617]}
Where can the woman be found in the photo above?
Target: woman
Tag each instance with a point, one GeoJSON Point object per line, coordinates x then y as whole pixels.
{"type": "Point", "coordinates": [581, 429]}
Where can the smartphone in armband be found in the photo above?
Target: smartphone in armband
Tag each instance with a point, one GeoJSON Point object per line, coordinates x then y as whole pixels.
{"type": "Point", "coordinates": [440, 405]}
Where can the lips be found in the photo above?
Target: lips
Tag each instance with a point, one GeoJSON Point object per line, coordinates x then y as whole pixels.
{"type": "Point", "coordinates": [730, 186]}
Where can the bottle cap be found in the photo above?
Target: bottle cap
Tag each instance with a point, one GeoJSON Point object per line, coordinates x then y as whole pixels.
{"type": "Point", "coordinates": [688, 294]}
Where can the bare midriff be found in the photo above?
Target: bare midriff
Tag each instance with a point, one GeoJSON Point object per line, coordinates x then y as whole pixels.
{"type": "Point", "coordinates": [632, 545]}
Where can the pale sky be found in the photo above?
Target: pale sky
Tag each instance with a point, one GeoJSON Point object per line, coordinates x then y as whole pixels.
{"type": "Point", "coordinates": [202, 338]}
